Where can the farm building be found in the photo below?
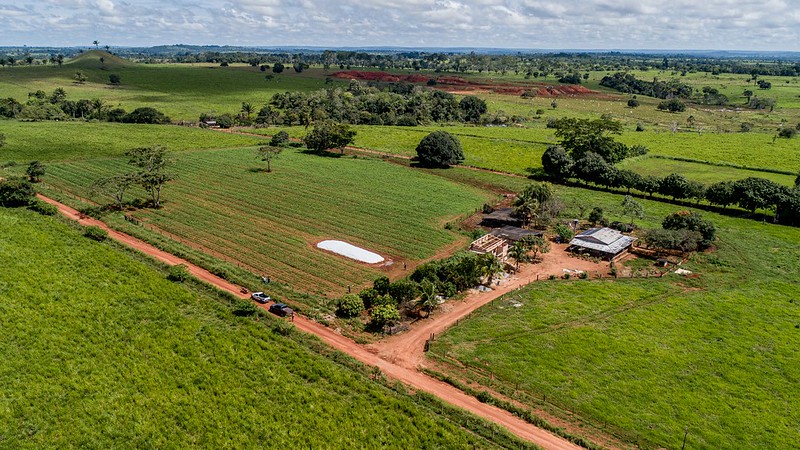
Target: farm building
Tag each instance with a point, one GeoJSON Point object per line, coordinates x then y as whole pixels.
{"type": "Point", "coordinates": [499, 240]}
{"type": "Point", "coordinates": [603, 242]}
{"type": "Point", "coordinates": [500, 218]}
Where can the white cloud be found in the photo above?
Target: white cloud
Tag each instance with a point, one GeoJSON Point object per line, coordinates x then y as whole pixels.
{"type": "Point", "coordinates": [679, 24]}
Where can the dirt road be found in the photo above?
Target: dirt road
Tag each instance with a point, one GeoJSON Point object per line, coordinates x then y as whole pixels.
{"type": "Point", "coordinates": [409, 376]}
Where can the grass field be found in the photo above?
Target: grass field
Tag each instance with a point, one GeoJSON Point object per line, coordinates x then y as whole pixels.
{"type": "Point", "coordinates": [647, 358]}
{"type": "Point", "coordinates": [63, 141]}
{"type": "Point", "coordinates": [270, 222]}
{"type": "Point", "coordinates": [182, 91]}
{"type": "Point", "coordinates": [101, 351]}
{"type": "Point", "coordinates": [704, 173]}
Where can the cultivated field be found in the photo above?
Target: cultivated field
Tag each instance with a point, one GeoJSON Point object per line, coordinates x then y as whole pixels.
{"type": "Point", "coordinates": [68, 141]}
{"type": "Point", "coordinates": [270, 222]}
{"type": "Point", "coordinates": [101, 351]}
{"type": "Point", "coordinates": [647, 358]}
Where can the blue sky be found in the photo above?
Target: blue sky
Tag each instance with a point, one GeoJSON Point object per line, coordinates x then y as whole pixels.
{"type": "Point", "coordinates": [567, 24]}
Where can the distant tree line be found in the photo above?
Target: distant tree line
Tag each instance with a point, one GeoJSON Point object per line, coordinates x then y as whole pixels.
{"type": "Point", "coordinates": [629, 84]}
{"type": "Point", "coordinates": [390, 104]}
{"type": "Point", "coordinates": [56, 106]}
{"type": "Point", "coordinates": [750, 193]}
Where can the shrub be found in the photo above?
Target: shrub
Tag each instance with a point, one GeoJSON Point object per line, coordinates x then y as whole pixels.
{"type": "Point", "coordinates": [383, 300]}
{"type": "Point", "coordinates": [16, 191]}
{"type": "Point", "coordinates": [596, 216]}
{"type": "Point", "coordinates": [350, 305]}
{"type": "Point", "coordinates": [787, 132]}
{"type": "Point", "coordinates": [220, 272]}
{"type": "Point", "coordinates": [672, 105]}
{"type": "Point", "coordinates": [280, 138]}
{"type": "Point", "coordinates": [368, 296]}
{"type": "Point", "coordinates": [383, 315]}
{"type": "Point", "coordinates": [583, 275]}
{"type": "Point", "coordinates": [381, 285]}
{"type": "Point", "coordinates": [639, 126]}
{"type": "Point", "coordinates": [692, 221]}
{"type": "Point", "coordinates": [179, 273]}
{"type": "Point", "coordinates": [633, 103]}
{"type": "Point", "coordinates": [146, 115]}
{"type": "Point", "coordinates": [95, 233]}
{"type": "Point", "coordinates": [244, 308]}
{"type": "Point", "coordinates": [564, 232]}
{"type": "Point", "coordinates": [745, 127]}
{"type": "Point", "coordinates": [43, 208]}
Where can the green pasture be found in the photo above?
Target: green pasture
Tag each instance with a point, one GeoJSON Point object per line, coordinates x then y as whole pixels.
{"type": "Point", "coordinates": [646, 358]}
{"type": "Point", "coordinates": [704, 173]}
{"type": "Point", "coordinates": [270, 222]}
{"type": "Point", "coordinates": [181, 91]}
{"type": "Point", "coordinates": [101, 351]}
{"type": "Point", "coordinates": [61, 141]}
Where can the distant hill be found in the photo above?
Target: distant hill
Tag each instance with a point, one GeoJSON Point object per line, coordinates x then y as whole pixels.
{"type": "Point", "coordinates": [92, 60]}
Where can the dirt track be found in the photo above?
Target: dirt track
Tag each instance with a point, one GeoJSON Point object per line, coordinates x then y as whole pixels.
{"type": "Point", "coordinates": [402, 372]}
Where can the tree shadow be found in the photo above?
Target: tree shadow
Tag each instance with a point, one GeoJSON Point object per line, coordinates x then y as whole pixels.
{"type": "Point", "coordinates": [325, 154]}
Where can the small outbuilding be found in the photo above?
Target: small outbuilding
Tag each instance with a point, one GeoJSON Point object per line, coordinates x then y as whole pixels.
{"type": "Point", "coordinates": [602, 242]}
{"type": "Point", "coordinates": [499, 240]}
{"type": "Point", "coordinates": [500, 218]}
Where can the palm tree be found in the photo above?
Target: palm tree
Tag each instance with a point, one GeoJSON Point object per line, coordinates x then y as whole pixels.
{"type": "Point", "coordinates": [248, 109]}
{"type": "Point", "coordinates": [519, 252]}
{"type": "Point", "coordinates": [490, 266]}
{"type": "Point", "coordinates": [96, 44]}
{"type": "Point", "coordinates": [427, 300]}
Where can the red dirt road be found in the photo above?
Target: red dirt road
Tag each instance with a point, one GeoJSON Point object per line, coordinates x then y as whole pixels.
{"type": "Point", "coordinates": [409, 376]}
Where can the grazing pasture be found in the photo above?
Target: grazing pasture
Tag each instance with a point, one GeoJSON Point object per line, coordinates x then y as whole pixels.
{"type": "Point", "coordinates": [647, 357]}
{"type": "Point", "coordinates": [270, 222]}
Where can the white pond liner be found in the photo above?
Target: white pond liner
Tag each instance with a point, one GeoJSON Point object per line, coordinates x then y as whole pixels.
{"type": "Point", "coordinates": [351, 251]}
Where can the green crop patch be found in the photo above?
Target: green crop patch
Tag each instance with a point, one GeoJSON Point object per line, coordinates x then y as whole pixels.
{"type": "Point", "coordinates": [60, 141]}
{"type": "Point", "coordinates": [270, 222]}
{"type": "Point", "coordinates": [101, 351]}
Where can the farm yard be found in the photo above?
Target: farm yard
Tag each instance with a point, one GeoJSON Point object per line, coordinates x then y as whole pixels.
{"type": "Point", "coordinates": [643, 359]}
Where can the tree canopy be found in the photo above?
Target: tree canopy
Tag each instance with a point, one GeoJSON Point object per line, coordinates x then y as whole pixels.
{"type": "Point", "coordinates": [327, 135]}
{"type": "Point", "coordinates": [439, 149]}
{"type": "Point", "coordinates": [581, 136]}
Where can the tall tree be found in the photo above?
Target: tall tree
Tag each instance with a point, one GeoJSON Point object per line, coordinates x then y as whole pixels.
{"type": "Point", "coordinates": [582, 136]}
{"type": "Point", "coordinates": [439, 149]}
{"type": "Point", "coordinates": [268, 153]}
{"type": "Point", "coordinates": [35, 171]}
{"type": "Point", "coordinates": [328, 135]}
{"type": "Point", "coordinates": [631, 208]}
{"type": "Point", "coordinates": [116, 186]}
{"type": "Point", "coordinates": [153, 163]}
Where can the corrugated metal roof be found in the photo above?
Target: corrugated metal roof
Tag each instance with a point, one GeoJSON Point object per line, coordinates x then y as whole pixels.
{"type": "Point", "coordinates": [603, 240]}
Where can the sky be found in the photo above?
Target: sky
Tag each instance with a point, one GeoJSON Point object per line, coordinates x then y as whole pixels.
{"type": "Point", "coordinates": [533, 24]}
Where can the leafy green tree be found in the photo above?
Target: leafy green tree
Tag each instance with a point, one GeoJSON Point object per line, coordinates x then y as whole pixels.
{"type": "Point", "coordinates": [672, 105]}
{"type": "Point", "coordinates": [403, 291]}
{"type": "Point", "coordinates": [350, 305]}
{"type": "Point", "coordinates": [629, 179]}
{"type": "Point", "coordinates": [35, 171]}
{"type": "Point", "coordinates": [146, 114]}
{"type": "Point", "coordinates": [439, 149]}
{"type": "Point", "coordinates": [757, 193]}
{"type": "Point", "coordinates": [721, 194]}
{"type": "Point", "coordinates": [116, 186]}
{"type": "Point", "coordinates": [649, 184]}
{"type": "Point", "coordinates": [675, 186]}
{"type": "Point", "coordinates": [564, 232]}
{"type": "Point", "coordinates": [383, 315]}
{"type": "Point", "coordinates": [153, 163]}
{"type": "Point", "coordinates": [692, 221]}
{"type": "Point", "coordinates": [277, 68]}
{"type": "Point", "coordinates": [472, 108]}
{"type": "Point", "coordinates": [591, 167]}
{"type": "Point", "coordinates": [557, 163]}
{"type": "Point", "coordinates": [381, 285]}
{"type": "Point", "coordinates": [268, 153]}
{"type": "Point", "coordinates": [58, 96]}
{"type": "Point", "coordinates": [631, 208]}
{"type": "Point", "coordinates": [328, 135]}
{"type": "Point", "coordinates": [279, 139]}
{"type": "Point", "coordinates": [538, 245]}
{"type": "Point", "coordinates": [80, 77]}
{"type": "Point", "coordinates": [16, 191]}
{"type": "Point", "coordinates": [582, 136]}
{"type": "Point", "coordinates": [247, 109]}
{"type": "Point", "coordinates": [633, 103]}
{"type": "Point", "coordinates": [596, 216]}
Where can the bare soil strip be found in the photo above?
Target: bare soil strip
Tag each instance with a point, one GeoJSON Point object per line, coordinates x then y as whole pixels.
{"type": "Point", "coordinates": [408, 375]}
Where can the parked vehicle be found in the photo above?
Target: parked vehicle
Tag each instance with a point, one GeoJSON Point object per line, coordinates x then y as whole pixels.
{"type": "Point", "coordinates": [281, 310]}
{"type": "Point", "coordinates": [260, 297]}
